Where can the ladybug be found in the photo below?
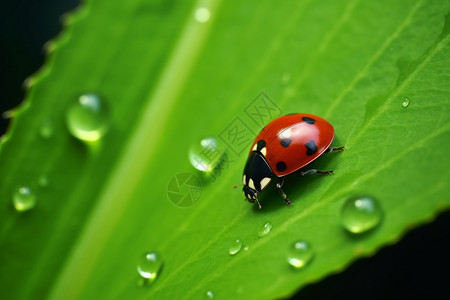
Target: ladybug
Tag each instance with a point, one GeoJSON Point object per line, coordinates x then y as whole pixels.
{"type": "Point", "coordinates": [284, 146]}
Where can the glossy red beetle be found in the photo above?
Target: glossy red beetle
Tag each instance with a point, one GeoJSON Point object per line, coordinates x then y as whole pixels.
{"type": "Point", "coordinates": [284, 146]}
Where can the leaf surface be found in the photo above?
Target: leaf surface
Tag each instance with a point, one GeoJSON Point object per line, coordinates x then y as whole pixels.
{"type": "Point", "coordinates": [170, 79]}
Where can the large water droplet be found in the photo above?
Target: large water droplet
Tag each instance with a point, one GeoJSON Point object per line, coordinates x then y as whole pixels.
{"type": "Point", "coordinates": [405, 102]}
{"type": "Point", "coordinates": [206, 155]}
{"type": "Point", "coordinates": [88, 118]}
{"type": "Point", "coordinates": [300, 254]}
{"type": "Point", "coordinates": [235, 247]}
{"type": "Point", "coordinates": [265, 230]}
{"type": "Point", "coordinates": [23, 199]}
{"type": "Point", "coordinates": [150, 265]}
{"type": "Point", "coordinates": [46, 129]}
{"type": "Point", "coordinates": [360, 214]}
{"type": "Point", "coordinates": [210, 295]}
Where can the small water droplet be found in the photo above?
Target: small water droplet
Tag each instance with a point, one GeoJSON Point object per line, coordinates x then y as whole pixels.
{"type": "Point", "coordinates": [202, 15]}
{"type": "Point", "coordinates": [300, 254]}
{"type": "Point", "coordinates": [206, 155]}
{"type": "Point", "coordinates": [150, 265]}
{"type": "Point", "coordinates": [43, 181]}
{"type": "Point", "coordinates": [265, 230]}
{"type": "Point", "coordinates": [46, 129]}
{"type": "Point", "coordinates": [235, 247]}
{"type": "Point", "coordinates": [405, 102]}
{"type": "Point", "coordinates": [88, 118]}
{"type": "Point", "coordinates": [24, 199]}
{"type": "Point", "coordinates": [360, 214]}
{"type": "Point", "coordinates": [210, 295]}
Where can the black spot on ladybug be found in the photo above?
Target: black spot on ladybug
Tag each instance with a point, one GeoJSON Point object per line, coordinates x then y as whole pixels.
{"type": "Point", "coordinates": [311, 147]}
{"type": "Point", "coordinates": [260, 144]}
{"type": "Point", "coordinates": [308, 120]}
{"type": "Point", "coordinates": [285, 142]}
{"type": "Point", "coordinates": [281, 166]}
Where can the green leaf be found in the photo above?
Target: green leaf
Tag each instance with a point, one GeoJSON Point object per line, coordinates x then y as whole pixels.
{"type": "Point", "coordinates": [172, 74]}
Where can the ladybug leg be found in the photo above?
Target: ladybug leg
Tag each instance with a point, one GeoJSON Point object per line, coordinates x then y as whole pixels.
{"type": "Point", "coordinates": [315, 171]}
{"type": "Point", "coordinates": [332, 149]}
{"type": "Point", "coordinates": [259, 205]}
{"type": "Point", "coordinates": [282, 193]}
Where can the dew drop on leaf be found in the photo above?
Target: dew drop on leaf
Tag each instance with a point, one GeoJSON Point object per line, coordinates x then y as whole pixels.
{"type": "Point", "coordinates": [235, 247]}
{"type": "Point", "coordinates": [405, 102]}
{"type": "Point", "coordinates": [88, 118]}
{"type": "Point", "coordinates": [23, 199]}
{"type": "Point", "coordinates": [300, 254]}
{"type": "Point", "coordinates": [206, 155]}
{"type": "Point", "coordinates": [209, 295]}
{"type": "Point", "coordinates": [150, 265]}
{"type": "Point", "coordinates": [46, 129]}
{"type": "Point", "coordinates": [265, 230]}
{"type": "Point", "coordinates": [360, 214]}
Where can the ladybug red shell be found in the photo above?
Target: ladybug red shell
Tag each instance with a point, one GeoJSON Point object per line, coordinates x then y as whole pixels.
{"type": "Point", "coordinates": [284, 146]}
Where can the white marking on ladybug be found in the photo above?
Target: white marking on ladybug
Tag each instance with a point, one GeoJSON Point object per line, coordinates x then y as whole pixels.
{"type": "Point", "coordinates": [249, 197]}
{"type": "Point", "coordinates": [264, 151]}
{"type": "Point", "coordinates": [264, 182]}
{"type": "Point", "coordinates": [255, 147]}
{"type": "Point", "coordinates": [244, 179]}
{"type": "Point", "coordinates": [251, 184]}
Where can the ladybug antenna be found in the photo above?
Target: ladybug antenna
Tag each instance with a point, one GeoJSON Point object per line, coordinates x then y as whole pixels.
{"type": "Point", "coordinates": [238, 185]}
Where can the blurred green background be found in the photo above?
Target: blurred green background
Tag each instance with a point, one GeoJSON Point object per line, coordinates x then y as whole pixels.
{"type": "Point", "coordinates": [416, 267]}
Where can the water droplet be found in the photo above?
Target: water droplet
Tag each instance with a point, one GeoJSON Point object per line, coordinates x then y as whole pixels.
{"type": "Point", "coordinates": [46, 129]}
{"type": "Point", "coordinates": [43, 181]}
{"type": "Point", "coordinates": [88, 118]}
{"type": "Point", "coordinates": [23, 199]}
{"type": "Point", "coordinates": [405, 102]}
{"type": "Point", "coordinates": [202, 15]}
{"type": "Point", "coordinates": [360, 214]}
{"type": "Point", "coordinates": [265, 230]}
{"type": "Point", "coordinates": [206, 155]}
{"type": "Point", "coordinates": [210, 295]}
{"type": "Point", "coordinates": [150, 266]}
{"type": "Point", "coordinates": [300, 254]}
{"type": "Point", "coordinates": [235, 247]}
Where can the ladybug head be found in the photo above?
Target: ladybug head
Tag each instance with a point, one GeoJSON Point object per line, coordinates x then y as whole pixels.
{"type": "Point", "coordinates": [257, 175]}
